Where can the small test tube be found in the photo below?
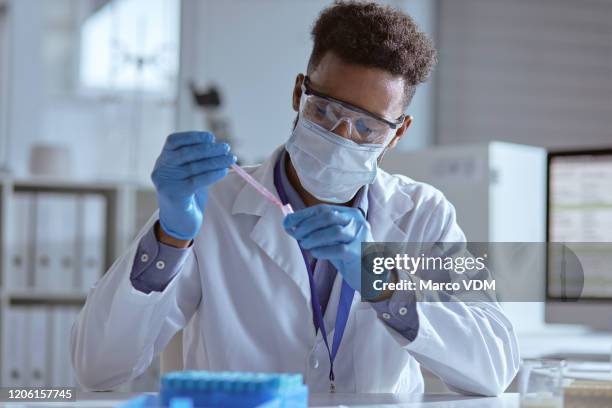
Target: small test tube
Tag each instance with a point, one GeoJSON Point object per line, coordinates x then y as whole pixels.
{"type": "Point", "coordinates": [286, 209]}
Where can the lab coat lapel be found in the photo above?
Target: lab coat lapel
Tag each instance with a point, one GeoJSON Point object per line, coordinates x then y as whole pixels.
{"type": "Point", "coordinates": [386, 206]}
{"type": "Point", "coordinates": [385, 209]}
{"type": "Point", "coordinates": [268, 232]}
{"type": "Point", "coordinates": [270, 236]}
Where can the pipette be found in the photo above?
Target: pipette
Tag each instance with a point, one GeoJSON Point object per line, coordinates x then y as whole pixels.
{"type": "Point", "coordinates": [286, 209]}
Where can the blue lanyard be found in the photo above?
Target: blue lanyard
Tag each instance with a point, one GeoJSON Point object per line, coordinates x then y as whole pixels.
{"type": "Point", "coordinates": [344, 304]}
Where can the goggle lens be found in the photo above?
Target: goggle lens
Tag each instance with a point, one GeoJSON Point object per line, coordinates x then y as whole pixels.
{"type": "Point", "coordinates": [363, 129]}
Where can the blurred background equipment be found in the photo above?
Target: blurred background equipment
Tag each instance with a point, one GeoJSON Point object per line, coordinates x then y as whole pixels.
{"type": "Point", "coordinates": [51, 161]}
{"type": "Point", "coordinates": [215, 121]}
{"type": "Point", "coordinates": [541, 383]}
{"type": "Point", "coordinates": [579, 212]}
{"type": "Point", "coordinates": [588, 394]}
{"type": "Point", "coordinates": [498, 189]}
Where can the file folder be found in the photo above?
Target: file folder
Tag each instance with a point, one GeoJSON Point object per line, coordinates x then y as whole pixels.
{"type": "Point", "coordinates": [20, 242]}
{"type": "Point", "coordinates": [37, 341]}
{"type": "Point", "coordinates": [61, 367]}
{"type": "Point", "coordinates": [55, 244]}
{"type": "Point", "coordinates": [73, 314]}
{"type": "Point", "coordinates": [92, 239]}
{"type": "Point", "coordinates": [14, 353]}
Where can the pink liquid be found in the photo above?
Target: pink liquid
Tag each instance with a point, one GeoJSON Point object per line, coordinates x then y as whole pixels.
{"type": "Point", "coordinates": [286, 209]}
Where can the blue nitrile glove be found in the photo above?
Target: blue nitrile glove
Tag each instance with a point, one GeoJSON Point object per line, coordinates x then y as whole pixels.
{"type": "Point", "coordinates": [334, 233]}
{"type": "Point", "coordinates": [187, 165]}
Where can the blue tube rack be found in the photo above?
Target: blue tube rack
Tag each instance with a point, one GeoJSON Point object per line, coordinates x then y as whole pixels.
{"type": "Point", "coordinates": [234, 389]}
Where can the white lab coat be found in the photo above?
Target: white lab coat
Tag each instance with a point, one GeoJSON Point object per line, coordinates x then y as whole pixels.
{"type": "Point", "coordinates": [243, 298]}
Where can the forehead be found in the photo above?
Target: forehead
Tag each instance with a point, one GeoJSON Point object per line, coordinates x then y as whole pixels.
{"type": "Point", "coordinates": [372, 89]}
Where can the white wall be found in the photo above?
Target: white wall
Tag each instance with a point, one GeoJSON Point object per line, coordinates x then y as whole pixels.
{"type": "Point", "coordinates": [423, 107]}
{"type": "Point", "coordinates": [252, 51]}
{"type": "Point", "coordinates": [534, 72]}
{"type": "Point", "coordinates": [109, 138]}
{"type": "Point", "coordinates": [25, 81]}
{"type": "Point", "coordinates": [4, 80]}
{"type": "Point", "coordinates": [110, 135]}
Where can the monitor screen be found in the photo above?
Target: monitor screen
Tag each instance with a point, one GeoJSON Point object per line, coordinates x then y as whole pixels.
{"type": "Point", "coordinates": [580, 214]}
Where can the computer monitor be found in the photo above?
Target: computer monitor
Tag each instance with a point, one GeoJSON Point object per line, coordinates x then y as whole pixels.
{"type": "Point", "coordinates": [579, 211]}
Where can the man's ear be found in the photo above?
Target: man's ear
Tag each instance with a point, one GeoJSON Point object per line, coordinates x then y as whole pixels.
{"type": "Point", "coordinates": [400, 132]}
{"type": "Point", "coordinates": [297, 92]}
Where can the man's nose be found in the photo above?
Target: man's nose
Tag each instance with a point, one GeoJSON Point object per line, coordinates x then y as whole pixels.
{"type": "Point", "coordinates": [343, 128]}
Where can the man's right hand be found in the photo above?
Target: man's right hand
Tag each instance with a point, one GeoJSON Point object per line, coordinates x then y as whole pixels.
{"type": "Point", "coordinates": [187, 165]}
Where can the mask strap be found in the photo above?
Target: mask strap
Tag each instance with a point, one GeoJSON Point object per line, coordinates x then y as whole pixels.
{"type": "Point", "coordinates": [381, 155]}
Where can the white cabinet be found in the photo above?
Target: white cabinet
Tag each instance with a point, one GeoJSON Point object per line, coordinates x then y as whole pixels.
{"type": "Point", "coordinates": [498, 189]}
{"type": "Point", "coordinates": [499, 193]}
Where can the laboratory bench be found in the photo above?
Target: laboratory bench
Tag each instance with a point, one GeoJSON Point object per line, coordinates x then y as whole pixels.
{"type": "Point", "coordinates": [113, 399]}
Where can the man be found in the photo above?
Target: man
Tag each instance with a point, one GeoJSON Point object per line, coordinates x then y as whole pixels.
{"type": "Point", "coordinates": [256, 291]}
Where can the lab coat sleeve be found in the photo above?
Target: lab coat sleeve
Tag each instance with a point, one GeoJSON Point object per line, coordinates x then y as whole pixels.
{"type": "Point", "coordinates": [120, 329]}
{"type": "Point", "coordinates": [470, 346]}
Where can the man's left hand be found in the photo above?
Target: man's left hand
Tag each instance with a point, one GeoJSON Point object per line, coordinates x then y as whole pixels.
{"type": "Point", "coordinates": [333, 233]}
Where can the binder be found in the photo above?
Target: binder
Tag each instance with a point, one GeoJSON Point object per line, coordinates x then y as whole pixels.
{"type": "Point", "coordinates": [91, 239]}
{"type": "Point", "coordinates": [55, 244]}
{"type": "Point", "coordinates": [61, 367]}
{"type": "Point", "coordinates": [72, 315]}
{"type": "Point", "coordinates": [20, 242]}
{"type": "Point", "coordinates": [37, 347]}
{"type": "Point", "coordinates": [14, 353]}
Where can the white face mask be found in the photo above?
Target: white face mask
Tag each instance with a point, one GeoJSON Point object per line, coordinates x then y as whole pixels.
{"type": "Point", "coordinates": [330, 167]}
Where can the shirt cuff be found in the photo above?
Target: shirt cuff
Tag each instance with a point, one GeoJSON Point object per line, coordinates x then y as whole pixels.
{"type": "Point", "coordinates": [155, 263]}
{"type": "Point", "coordinates": [400, 313]}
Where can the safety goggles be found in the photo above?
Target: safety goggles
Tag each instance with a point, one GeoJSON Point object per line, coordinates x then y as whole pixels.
{"type": "Point", "coordinates": [363, 127]}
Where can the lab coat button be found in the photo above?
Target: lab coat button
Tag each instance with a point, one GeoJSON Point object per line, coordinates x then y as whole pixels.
{"type": "Point", "coordinates": [144, 257]}
{"type": "Point", "coordinates": [386, 316]}
{"type": "Point", "coordinates": [402, 311]}
{"type": "Point", "coordinates": [160, 264]}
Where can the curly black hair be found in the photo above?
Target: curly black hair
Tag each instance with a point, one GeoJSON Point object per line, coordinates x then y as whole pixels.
{"type": "Point", "coordinates": [373, 35]}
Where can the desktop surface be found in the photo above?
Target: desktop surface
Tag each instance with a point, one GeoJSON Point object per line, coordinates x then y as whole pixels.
{"type": "Point", "coordinates": [113, 399]}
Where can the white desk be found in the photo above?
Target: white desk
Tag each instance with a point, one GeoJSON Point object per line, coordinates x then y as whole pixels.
{"type": "Point", "coordinates": [408, 401]}
{"type": "Point", "coordinates": [112, 399]}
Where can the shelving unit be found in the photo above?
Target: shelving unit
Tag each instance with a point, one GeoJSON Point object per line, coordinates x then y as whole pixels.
{"type": "Point", "coordinates": [128, 206]}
